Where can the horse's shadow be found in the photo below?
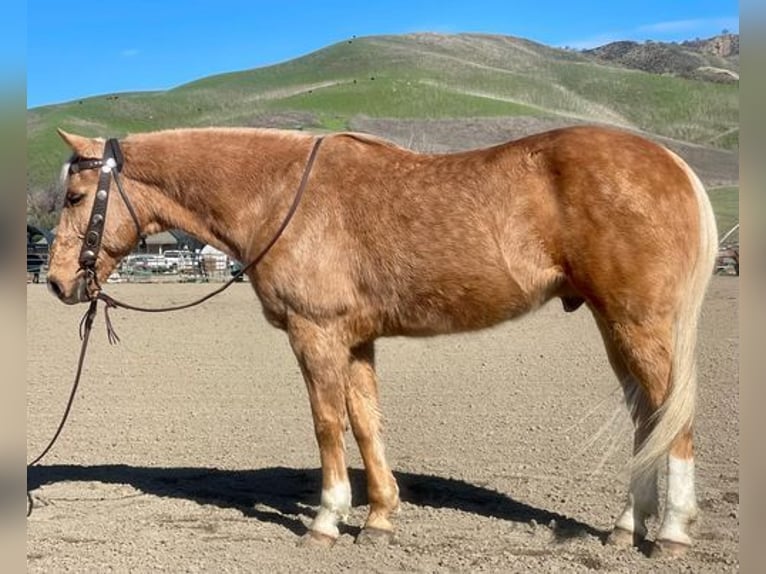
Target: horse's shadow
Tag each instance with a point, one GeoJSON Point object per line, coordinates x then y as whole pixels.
{"type": "Point", "coordinates": [279, 495]}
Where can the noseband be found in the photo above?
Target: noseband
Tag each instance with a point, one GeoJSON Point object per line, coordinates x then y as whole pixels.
{"type": "Point", "coordinates": [110, 166]}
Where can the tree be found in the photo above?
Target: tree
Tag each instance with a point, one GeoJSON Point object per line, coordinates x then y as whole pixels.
{"type": "Point", "coordinates": [43, 206]}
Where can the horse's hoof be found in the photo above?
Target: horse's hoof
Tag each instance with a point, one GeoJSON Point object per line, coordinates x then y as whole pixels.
{"type": "Point", "coordinates": [668, 549]}
{"type": "Point", "coordinates": [621, 537]}
{"type": "Point", "coordinates": [374, 536]}
{"type": "Point", "coordinates": [314, 539]}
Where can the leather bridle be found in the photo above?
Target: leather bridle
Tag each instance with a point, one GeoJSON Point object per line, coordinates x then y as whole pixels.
{"type": "Point", "coordinates": [110, 166]}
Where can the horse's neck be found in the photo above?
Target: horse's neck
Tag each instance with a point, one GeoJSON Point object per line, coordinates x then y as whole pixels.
{"type": "Point", "coordinates": [207, 192]}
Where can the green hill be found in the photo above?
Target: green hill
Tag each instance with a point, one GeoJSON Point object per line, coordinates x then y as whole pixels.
{"type": "Point", "coordinates": [417, 76]}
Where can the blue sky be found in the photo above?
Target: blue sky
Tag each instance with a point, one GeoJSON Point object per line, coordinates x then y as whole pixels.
{"type": "Point", "coordinates": [87, 48]}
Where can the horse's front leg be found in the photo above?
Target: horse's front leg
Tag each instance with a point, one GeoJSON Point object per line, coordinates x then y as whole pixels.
{"type": "Point", "coordinates": [364, 413]}
{"type": "Point", "coordinates": [324, 362]}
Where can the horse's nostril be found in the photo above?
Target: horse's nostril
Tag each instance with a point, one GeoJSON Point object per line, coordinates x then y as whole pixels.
{"type": "Point", "coordinates": [55, 288]}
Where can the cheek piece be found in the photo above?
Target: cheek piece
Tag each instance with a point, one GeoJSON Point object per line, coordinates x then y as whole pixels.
{"type": "Point", "coordinates": [109, 166]}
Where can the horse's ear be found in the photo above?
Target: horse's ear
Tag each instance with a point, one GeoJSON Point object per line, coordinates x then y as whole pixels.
{"type": "Point", "coordinates": [82, 146]}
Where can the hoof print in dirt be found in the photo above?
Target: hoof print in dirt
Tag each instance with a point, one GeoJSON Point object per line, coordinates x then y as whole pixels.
{"type": "Point", "coordinates": [314, 539]}
{"type": "Point", "coordinates": [375, 537]}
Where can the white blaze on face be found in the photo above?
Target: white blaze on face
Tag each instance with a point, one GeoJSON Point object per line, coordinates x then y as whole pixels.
{"type": "Point", "coordinates": [335, 506]}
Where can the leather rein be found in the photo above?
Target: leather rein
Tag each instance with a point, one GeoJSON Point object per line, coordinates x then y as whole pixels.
{"type": "Point", "coordinates": [110, 166]}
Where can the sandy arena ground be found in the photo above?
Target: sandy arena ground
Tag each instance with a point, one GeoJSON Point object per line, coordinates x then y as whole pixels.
{"type": "Point", "coordinates": [190, 447]}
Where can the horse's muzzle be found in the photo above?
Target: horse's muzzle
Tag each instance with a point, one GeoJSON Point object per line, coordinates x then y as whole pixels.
{"type": "Point", "coordinates": [77, 294]}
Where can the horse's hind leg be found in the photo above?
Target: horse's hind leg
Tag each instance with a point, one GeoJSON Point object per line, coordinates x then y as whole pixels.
{"type": "Point", "coordinates": [681, 501]}
{"type": "Point", "coordinates": [642, 355]}
{"type": "Point", "coordinates": [364, 414]}
{"type": "Point", "coordinates": [324, 361]}
{"type": "Point", "coordinates": [630, 527]}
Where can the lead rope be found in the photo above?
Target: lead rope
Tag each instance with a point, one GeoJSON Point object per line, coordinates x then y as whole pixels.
{"type": "Point", "coordinates": [86, 323]}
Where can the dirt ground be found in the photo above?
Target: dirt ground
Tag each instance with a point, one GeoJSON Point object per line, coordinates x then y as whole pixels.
{"type": "Point", "coordinates": [190, 445]}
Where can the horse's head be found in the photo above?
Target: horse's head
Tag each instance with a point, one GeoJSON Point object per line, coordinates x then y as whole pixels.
{"type": "Point", "coordinates": [70, 277]}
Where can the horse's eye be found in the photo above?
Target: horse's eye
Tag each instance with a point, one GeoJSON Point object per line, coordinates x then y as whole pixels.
{"type": "Point", "coordinates": [73, 199]}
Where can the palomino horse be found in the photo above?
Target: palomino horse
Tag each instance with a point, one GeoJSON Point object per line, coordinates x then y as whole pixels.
{"type": "Point", "coordinates": [386, 241]}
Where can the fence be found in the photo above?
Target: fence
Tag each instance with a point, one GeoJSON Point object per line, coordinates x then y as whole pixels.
{"type": "Point", "coordinates": [141, 268]}
{"type": "Point", "coordinates": [195, 268]}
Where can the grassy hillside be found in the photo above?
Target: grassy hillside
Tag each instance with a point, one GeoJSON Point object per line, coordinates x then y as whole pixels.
{"type": "Point", "coordinates": [715, 59]}
{"type": "Point", "coordinates": [412, 76]}
{"type": "Point", "coordinates": [725, 202]}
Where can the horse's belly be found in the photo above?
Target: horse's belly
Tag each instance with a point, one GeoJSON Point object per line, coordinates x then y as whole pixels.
{"type": "Point", "coordinates": [462, 306]}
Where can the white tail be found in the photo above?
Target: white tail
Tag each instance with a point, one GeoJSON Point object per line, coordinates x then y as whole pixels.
{"type": "Point", "coordinates": [677, 413]}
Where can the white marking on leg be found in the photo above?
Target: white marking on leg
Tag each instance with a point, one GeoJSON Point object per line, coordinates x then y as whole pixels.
{"type": "Point", "coordinates": [642, 503]}
{"type": "Point", "coordinates": [335, 506]}
{"type": "Point", "coordinates": [681, 503]}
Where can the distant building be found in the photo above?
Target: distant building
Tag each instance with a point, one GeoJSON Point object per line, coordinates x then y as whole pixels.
{"type": "Point", "coordinates": [160, 242]}
{"type": "Point", "coordinates": [38, 244]}
{"type": "Point", "coordinates": [171, 239]}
